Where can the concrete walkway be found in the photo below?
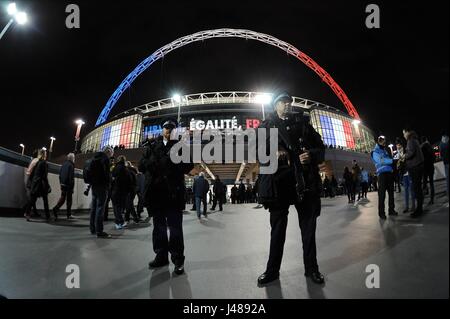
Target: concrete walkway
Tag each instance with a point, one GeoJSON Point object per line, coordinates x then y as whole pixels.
{"type": "Point", "coordinates": [225, 255]}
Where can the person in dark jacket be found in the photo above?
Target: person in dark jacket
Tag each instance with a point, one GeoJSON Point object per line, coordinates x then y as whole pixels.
{"type": "Point", "coordinates": [444, 150]}
{"type": "Point", "coordinates": [166, 188]}
{"type": "Point", "coordinates": [28, 172]}
{"type": "Point", "coordinates": [39, 186]}
{"type": "Point", "coordinates": [234, 194]}
{"type": "Point", "coordinates": [121, 187]}
{"type": "Point", "coordinates": [348, 182]}
{"type": "Point", "coordinates": [140, 181]}
{"type": "Point", "coordinates": [99, 190]}
{"type": "Point", "coordinates": [278, 191]}
{"type": "Point", "coordinates": [241, 193]}
{"type": "Point", "coordinates": [383, 164]}
{"type": "Point", "coordinates": [108, 199]}
{"type": "Point", "coordinates": [131, 195]}
{"type": "Point", "coordinates": [218, 194]}
{"type": "Point", "coordinates": [415, 166]}
{"type": "Point", "coordinates": [67, 182]}
{"type": "Point", "coordinates": [326, 187]}
{"type": "Point", "coordinates": [428, 165]}
{"type": "Point", "coordinates": [200, 189]}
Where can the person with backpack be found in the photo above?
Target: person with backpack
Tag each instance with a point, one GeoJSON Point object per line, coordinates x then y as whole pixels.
{"type": "Point", "coordinates": [428, 173]}
{"type": "Point", "coordinates": [383, 164]}
{"type": "Point", "coordinates": [67, 182]}
{"type": "Point", "coordinates": [97, 173]}
{"type": "Point", "coordinates": [131, 195]}
{"type": "Point", "coordinates": [39, 185]}
{"type": "Point", "coordinates": [415, 165]}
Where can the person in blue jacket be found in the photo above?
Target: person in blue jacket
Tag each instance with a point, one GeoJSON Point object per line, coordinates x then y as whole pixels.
{"type": "Point", "coordinates": [383, 163]}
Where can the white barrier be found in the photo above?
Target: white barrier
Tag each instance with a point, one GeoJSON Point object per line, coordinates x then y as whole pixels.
{"type": "Point", "coordinates": [13, 192]}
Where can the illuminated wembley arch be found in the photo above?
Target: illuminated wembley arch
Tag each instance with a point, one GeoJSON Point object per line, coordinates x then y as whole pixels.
{"type": "Point", "coordinates": [226, 33]}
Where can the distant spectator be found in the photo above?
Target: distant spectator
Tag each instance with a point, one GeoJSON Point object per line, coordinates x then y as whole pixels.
{"type": "Point", "coordinates": [67, 183]}
{"type": "Point", "coordinates": [415, 165]}
{"type": "Point", "coordinates": [428, 173]}
{"type": "Point", "coordinates": [383, 163]}
{"type": "Point", "coordinates": [406, 179]}
{"type": "Point", "coordinates": [39, 185]}
{"type": "Point", "coordinates": [444, 153]}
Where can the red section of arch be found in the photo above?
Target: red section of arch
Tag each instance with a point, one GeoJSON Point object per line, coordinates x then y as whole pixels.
{"type": "Point", "coordinates": [309, 62]}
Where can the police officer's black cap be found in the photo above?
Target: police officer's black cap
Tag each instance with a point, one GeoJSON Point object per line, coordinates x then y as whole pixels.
{"type": "Point", "coordinates": [283, 96]}
{"type": "Point", "coordinates": [169, 124]}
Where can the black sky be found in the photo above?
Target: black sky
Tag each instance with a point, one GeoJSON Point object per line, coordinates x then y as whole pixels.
{"type": "Point", "coordinates": [397, 75]}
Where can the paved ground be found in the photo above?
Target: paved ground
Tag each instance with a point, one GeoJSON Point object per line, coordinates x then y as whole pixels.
{"type": "Point", "coordinates": [226, 254]}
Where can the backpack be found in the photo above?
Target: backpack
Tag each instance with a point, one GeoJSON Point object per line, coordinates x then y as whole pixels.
{"type": "Point", "coordinates": [93, 171]}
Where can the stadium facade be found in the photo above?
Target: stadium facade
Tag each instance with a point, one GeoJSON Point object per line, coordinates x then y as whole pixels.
{"type": "Point", "coordinates": [226, 110]}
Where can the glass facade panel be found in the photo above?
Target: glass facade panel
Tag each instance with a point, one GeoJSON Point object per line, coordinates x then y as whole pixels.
{"type": "Point", "coordinates": [123, 132]}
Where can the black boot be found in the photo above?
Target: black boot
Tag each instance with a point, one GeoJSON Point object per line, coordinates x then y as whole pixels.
{"type": "Point", "coordinates": [316, 277]}
{"type": "Point", "coordinates": [267, 277]}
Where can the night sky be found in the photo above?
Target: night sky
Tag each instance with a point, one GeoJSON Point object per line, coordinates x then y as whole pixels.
{"type": "Point", "coordinates": [50, 75]}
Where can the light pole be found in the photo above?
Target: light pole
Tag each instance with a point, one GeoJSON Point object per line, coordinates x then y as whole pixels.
{"type": "Point", "coordinates": [23, 148]}
{"type": "Point", "coordinates": [20, 17]}
{"type": "Point", "coordinates": [79, 123]}
{"type": "Point", "coordinates": [52, 139]}
{"type": "Point", "coordinates": [177, 99]}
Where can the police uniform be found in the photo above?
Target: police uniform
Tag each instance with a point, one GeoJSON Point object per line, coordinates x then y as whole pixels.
{"type": "Point", "coordinates": [284, 183]}
{"type": "Point", "coordinates": [165, 199]}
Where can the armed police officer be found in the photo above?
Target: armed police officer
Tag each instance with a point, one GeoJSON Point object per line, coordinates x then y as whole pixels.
{"type": "Point", "coordinates": [296, 182]}
{"type": "Point", "coordinates": [165, 198]}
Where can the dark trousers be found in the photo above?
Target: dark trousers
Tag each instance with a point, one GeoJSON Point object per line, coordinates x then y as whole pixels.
{"type": "Point", "coordinates": [364, 189]}
{"type": "Point", "coordinates": [130, 210]}
{"type": "Point", "coordinates": [217, 198]}
{"type": "Point", "coordinates": [66, 195]}
{"type": "Point", "coordinates": [307, 212]}
{"type": "Point", "coordinates": [162, 244]}
{"type": "Point", "coordinates": [119, 201]}
{"type": "Point", "coordinates": [349, 190]}
{"type": "Point", "coordinates": [99, 195]}
{"type": "Point", "coordinates": [140, 205]}
{"type": "Point", "coordinates": [416, 174]}
{"type": "Point", "coordinates": [198, 205]}
{"type": "Point", "coordinates": [108, 199]}
{"type": "Point", "coordinates": [385, 184]}
{"type": "Point", "coordinates": [32, 205]}
{"type": "Point", "coordinates": [428, 176]}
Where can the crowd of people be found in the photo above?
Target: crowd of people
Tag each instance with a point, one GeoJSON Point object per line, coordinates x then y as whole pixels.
{"type": "Point", "coordinates": [411, 166]}
{"type": "Point", "coordinates": [160, 187]}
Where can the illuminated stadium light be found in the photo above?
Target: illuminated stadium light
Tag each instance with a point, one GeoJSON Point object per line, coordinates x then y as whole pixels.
{"type": "Point", "coordinates": [263, 98]}
{"type": "Point", "coordinates": [176, 98]}
{"type": "Point", "coordinates": [11, 9]}
{"type": "Point", "coordinates": [21, 18]}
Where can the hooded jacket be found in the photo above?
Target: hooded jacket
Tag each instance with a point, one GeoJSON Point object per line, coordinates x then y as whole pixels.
{"type": "Point", "coordinates": [382, 160]}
